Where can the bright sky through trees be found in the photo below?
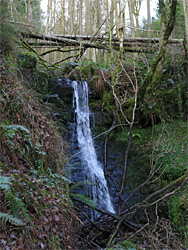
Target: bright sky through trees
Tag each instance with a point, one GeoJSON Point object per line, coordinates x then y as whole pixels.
{"type": "Point", "coordinates": [143, 10]}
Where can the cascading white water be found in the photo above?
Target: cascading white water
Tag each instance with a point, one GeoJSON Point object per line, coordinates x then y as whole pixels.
{"type": "Point", "coordinates": [93, 170]}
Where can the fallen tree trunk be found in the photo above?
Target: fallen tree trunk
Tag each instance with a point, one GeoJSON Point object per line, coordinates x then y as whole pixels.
{"type": "Point", "coordinates": [139, 45]}
{"type": "Point", "coordinates": [100, 38]}
{"type": "Point", "coordinates": [64, 41]}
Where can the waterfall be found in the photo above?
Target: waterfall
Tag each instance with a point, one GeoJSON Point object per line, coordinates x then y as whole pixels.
{"type": "Point", "coordinates": [91, 167]}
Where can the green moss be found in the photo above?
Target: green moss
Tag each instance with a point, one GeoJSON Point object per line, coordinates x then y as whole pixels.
{"type": "Point", "coordinates": [178, 212]}
{"type": "Point", "coordinates": [27, 60]}
{"type": "Point", "coordinates": [172, 148]}
{"type": "Point", "coordinates": [124, 245]}
{"type": "Point", "coordinates": [127, 245]}
{"type": "Point", "coordinates": [107, 101]}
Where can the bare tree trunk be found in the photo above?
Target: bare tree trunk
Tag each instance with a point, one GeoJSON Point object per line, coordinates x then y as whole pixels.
{"type": "Point", "coordinates": [117, 19]}
{"type": "Point", "coordinates": [63, 16]}
{"type": "Point", "coordinates": [106, 9]}
{"type": "Point", "coordinates": [26, 7]}
{"type": "Point", "coordinates": [98, 12]}
{"type": "Point", "coordinates": [47, 28]}
{"type": "Point", "coordinates": [30, 11]}
{"type": "Point", "coordinates": [112, 8]}
{"type": "Point", "coordinates": [136, 5]}
{"type": "Point", "coordinates": [131, 18]}
{"type": "Point", "coordinates": [87, 17]}
{"type": "Point", "coordinates": [159, 68]}
{"type": "Point", "coordinates": [80, 16]}
{"type": "Point", "coordinates": [149, 18]}
{"type": "Point", "coordinates": [123, 16]}
{"type": "Point", "coordinates": [185, 7]}
{"type": "Point", "coordinates": [11, 9]}
{"type": "Point", "coordinates": [71, 16]}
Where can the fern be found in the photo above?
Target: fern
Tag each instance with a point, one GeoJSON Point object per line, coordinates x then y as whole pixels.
{"type": "Point", "coordinates": [16, 206]}
{"type": "Point", "coordinates": [4, 182]}
{"type": "Point", "coordinates": [80, 184]}
{"type": "Point", "coordinates": [15, 128]}
{"type": "Point", "coordinates": [87, 200]}
{"type": "Point", "coordinates": [8, 217]}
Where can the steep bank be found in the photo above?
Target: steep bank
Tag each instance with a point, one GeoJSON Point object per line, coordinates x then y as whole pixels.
{"type": "Point", "coordinates": [35, 211]}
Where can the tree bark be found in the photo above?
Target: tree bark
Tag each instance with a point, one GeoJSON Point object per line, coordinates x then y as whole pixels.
{"type": "Point", "coordinates": [136, 5]}
{"type": "Point", "coordinates": [63, 16]}
{"type": "Point", "coordinates": [131, 18]}
{"type": "Point", "coordinates": [159, 68]}
{"type": "Point", "coordinates": [87, 17]}
{"type": "Point", "coordinates": [149, 78]}
{"type": "Point", "coordinates": [80, 16]}
{"type": "Point", "coordinates": [149, 18]}
{"type": "Point", "coordinates": [185, 8]}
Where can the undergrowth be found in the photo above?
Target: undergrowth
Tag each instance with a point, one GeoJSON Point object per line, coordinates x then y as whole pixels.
{"type": "Point", "coordinates": [163, 150]}
{"type": "Point", "coordinates": [35, 209]}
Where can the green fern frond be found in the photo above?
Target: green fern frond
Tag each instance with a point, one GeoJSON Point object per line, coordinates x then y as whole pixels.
{"type": "Point", "coordinates": [11, 219]}
{"type": "Point", "coordinates": [80, 184]}
{"type": "Point", "coordinates": [87, 200]}
{"type": "Point", "coordinates": [16, 206]}
{"type": "Point", "coordinates": [15, 128]}
{"type": "Point", "coordinates": [4, 182]}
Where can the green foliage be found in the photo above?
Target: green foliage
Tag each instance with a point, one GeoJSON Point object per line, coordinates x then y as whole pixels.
{"type": "Point", "coordinates": [170, 158]}
{"type": "Point", "coordinates": [171, 150]}
{"type": "Point", "coordinates": [4, 182]}
{"type": "Point", "coordinates": [124, 245]}
{"type": "Point", "coordinates": [178, 212]}
{"type": "Point", "coordinates": [87, 200]}
{"type": "Point", "coordinates": [20, 12]}
{"type": "Point", "coordinates": [8, 32]}
{"type": "Point", "coordinates": [155, 27]}
{"type": "Point", "coordinates": [27, 60]}
{"type": "Point", "coordinates": [17, 207]}
{"type": "Point", "coordinates": [80, 184]}
{"type": "Point", "coordinates": [51, 179]}
{"type": "Point", "coordinates": [11, 219]}
{"type": "Point", "coordinates": [10, 129]}
{"type": "Point", "coordinates": [107, 101]}
{"type": "Point", "coordinates": [179, 27]}
{"type": "Point", "coordinates": [138, 135]}
{"type": "Point", "coordinates": [36, 11]}
{"type": "Point", "coordinates": [29, 193]}
{"type": "Point", "coordinates": [127, 245]}
{"type": "Point", "coordinates": [11, 132]}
